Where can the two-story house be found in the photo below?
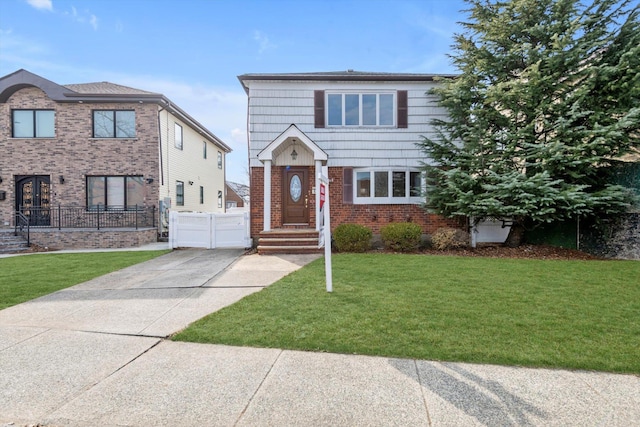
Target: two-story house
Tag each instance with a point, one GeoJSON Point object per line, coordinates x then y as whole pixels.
{"type": "Point", "coordinates": [87, 165]}
{"type": "Point", "coordinates": [358, 128]}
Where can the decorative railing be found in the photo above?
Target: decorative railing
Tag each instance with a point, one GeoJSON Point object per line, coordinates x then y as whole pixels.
{"type": "Point", "coordinates": [22, 227]}
{"type": "Point", "coordinates": [94, 217]}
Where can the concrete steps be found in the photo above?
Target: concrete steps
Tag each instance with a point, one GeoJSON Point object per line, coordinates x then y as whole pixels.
{"type": "Point", "coordinates": [9, 243]}
{"type": "Point", "coordinates": [288, 241]}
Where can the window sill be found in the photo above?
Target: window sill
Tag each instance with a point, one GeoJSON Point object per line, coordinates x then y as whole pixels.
{"type": "Point", "coordinates": [387, 200]}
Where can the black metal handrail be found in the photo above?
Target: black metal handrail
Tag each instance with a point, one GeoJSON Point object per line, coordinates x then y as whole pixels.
{"type": "Point", "coordinates": [97, 217]}
{"type": "Point", "coordinates": [22, 223]}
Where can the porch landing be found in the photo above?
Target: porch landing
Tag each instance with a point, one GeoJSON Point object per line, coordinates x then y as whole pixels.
{"type": "Point", "coordinates": [288, 241]}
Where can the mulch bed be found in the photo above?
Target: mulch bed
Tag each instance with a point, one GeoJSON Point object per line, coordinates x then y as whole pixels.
{"type": "Point", "coordinates": [523, 251]}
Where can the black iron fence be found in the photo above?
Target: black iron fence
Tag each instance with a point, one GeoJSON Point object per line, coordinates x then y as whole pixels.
{"type": "Point", "coordinates": [96, 217]}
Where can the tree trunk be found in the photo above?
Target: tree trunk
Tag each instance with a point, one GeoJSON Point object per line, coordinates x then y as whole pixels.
{"type": "Point", "coordinates": [516, 236]}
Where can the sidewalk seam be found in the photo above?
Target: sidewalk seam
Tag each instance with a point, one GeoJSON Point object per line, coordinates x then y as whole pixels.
{"type": "Point", "coordinates": [244, 410]}
{"type": "Point", "coordinates": [424, 398]}
{"type": "Point", "coordinates": [90, 386]}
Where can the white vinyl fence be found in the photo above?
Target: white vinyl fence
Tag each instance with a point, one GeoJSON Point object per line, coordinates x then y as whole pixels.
{"type": "Point", "coordinates": [209, 230]}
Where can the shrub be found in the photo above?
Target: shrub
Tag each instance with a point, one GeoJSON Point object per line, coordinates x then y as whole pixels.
{"type": "Point", "coordinates": [352, 238]}
{"type": "Point", "coordinates": [401, 237]}
{"type": "Point", "coordinates": [449, 238]}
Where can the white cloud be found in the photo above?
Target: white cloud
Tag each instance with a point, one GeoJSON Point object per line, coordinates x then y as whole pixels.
{"type": "Point", "coordinates": [41, 4]}
{"type": "Point", "coordinates": [84, 17]}
{"type": "Point", "coordinates": [93, 20]}
{"type": "Point", "coordinates": [263, 41]}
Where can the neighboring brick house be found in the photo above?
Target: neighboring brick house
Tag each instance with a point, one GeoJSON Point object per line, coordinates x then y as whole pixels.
{"type": "Point", "coordinates": [75, 155]}
{"type": "Point", "coordinates": [237, 195]}
{"type": "Point", "coordinates": [360, 129]}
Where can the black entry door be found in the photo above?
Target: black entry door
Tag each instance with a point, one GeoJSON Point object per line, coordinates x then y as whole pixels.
{"type": "Point", "coordinates": [33, 199]}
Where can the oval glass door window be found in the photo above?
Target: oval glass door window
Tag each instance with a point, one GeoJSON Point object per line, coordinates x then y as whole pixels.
{"type": "Point", "coordinates": [295, 188]}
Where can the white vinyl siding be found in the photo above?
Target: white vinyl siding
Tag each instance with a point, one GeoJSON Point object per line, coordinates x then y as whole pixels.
{"type": "Point", "coordinates": [189, 165]}
{"type": "Point", "coordinates": [274, 106]}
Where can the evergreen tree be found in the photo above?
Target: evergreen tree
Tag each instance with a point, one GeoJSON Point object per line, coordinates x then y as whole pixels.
{"type": "Point", "coordinates": [548, 94]}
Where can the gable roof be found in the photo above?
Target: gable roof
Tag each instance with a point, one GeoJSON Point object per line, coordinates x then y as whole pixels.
{"type": "Point", "coordinates": [98, 92]}
{"type": "Point", "coordinates": [240, 189]}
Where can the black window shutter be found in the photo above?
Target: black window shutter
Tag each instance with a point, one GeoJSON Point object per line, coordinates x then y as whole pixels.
{"type": "Point", "coordinates": [318, 105]}
{"type": "Point", "coordinates": [347, 186]}
{"type": "Point", "coordinates": [403, 121]}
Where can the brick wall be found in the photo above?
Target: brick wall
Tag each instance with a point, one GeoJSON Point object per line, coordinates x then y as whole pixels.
{"type": "Point", "coordinates": [92, 239]}
{"type": "Point", "coordinates": [372, 216]}
{"type": "Point", "coordinates": [73, 153]}
{"type": "Point", "coordinates": [232, 196]}
{"type": "Point", "coordinates": [377, 216]}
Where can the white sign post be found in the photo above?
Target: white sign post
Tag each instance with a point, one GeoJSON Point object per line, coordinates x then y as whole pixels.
{"type": "Point", "coordinates": [324, 238]}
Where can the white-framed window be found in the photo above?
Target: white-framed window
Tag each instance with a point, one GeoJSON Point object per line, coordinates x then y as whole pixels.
{"type": "Point", "coordinates": [114, 124]}
{"type": "Point", "coordinates": [179, 193]}
{"type": "Point", "coordinates": [33, 123]}
{"type": "Point", "coordinates": [177, 136]}
{"type": "Point", "coordinates": [115, 192]}
{"type": "Point", "coordinates": [219, 160]}
{"type": "Point", "coordinates": [361, 109]}
{"type": "Point", "coordinates": [387, 186]}
{"type": "Point", "coordinates": [219, 198]}
{"type": "Point", "coordinates": [204, 149]}
{"type": "Point", "coordinates": [201, 195]}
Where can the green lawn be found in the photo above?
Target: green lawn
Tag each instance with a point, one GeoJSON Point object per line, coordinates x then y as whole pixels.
{"type": "Point", "coordinates": [560, 314]}
{"type": "Point", "coordinates": [23, 278]}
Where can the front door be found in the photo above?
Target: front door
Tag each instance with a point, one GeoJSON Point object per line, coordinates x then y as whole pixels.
{"type": "Point", "coordinates": [33, 199]}
{"type": "Point", "coordinates": [295, 196]}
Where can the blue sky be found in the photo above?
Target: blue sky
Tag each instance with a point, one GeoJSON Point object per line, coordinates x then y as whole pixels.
{"type": "Point", "coordinates": [193, 50]}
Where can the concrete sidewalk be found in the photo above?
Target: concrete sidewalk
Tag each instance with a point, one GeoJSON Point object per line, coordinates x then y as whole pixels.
{"type": "Point", "coordinates": [95, 354]}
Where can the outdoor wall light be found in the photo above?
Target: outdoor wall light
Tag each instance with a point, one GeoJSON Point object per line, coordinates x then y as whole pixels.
{"type": "Point", "coordinates": [294, 155]}
{"type": "Point", "coordinates": [190, 182]}
{"type": "Point", "coordinates": [148, 180]}
{"type": "Point", "coordinates": [0, 180]}
{"type": "Point", "coordinates": [61, 179]}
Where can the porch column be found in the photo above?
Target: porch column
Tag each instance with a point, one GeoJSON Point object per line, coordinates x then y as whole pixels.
{"type": "Point", "coordinates": [267, 196]}
{"type": "Point", "coordinates": [317, 172]}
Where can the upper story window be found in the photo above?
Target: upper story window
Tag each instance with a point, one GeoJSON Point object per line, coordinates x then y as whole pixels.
{"type": "Point", "coordinates": [114, 124]}
{"type": "Point", "coordinates": [219, 160]}
{"type": "Point", "coordinates": [33, 123]}
{"type": "Point", "coordinates": [177, 135]}
{"type": "Point", "coordinates": [360, 109]}
{"type": "Point", "coordinates": [115, 192]}
{"type": "Point", "coordinates": [352, 109]}
{"type": "Point", "coordinates": [204, 149]}
{"type": "Point", "coordinates": [376, 186]}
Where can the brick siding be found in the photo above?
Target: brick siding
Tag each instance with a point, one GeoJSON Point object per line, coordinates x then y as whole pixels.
{"type": "Point", "coordinates": [372, 216]}
{"type": "Point", "coordinates": [93, 239]}
{"type": "Point", "coordinates": [73, 153]}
